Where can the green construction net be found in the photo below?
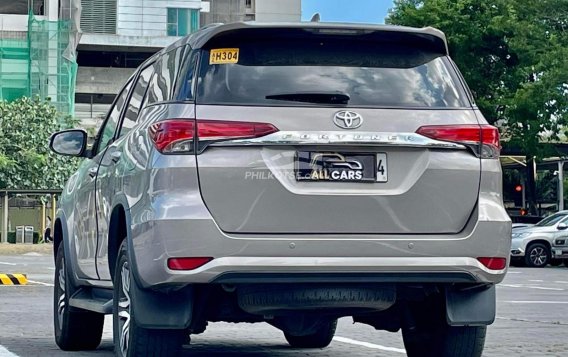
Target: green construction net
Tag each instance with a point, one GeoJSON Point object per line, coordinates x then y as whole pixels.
{"type": "Point", "coordinates": [51, 75]}
{"type": "Point", "coordinates": [35, 63]}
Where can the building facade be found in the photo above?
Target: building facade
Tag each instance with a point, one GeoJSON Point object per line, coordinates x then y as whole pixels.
{"type": "Point", "coordinates": [117, 36]}
{"type": "Point", "coordinates": [37, 51]}
{"type": "Point", "coordinates": [225, 11]}
{"type": "Point", "coordinates": [80, 52]}
{"type": "Point", "coordinates": [275, 10]}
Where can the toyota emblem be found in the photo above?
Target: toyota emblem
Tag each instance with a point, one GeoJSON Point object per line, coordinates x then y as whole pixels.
{"type": "Point", "coordinates": [348, 120]}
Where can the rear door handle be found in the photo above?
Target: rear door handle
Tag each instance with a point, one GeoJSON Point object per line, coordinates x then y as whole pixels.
{"type": "Point", "coordinates": [115, 156]}
{"type": "Point", "coordinates": [93, 172]}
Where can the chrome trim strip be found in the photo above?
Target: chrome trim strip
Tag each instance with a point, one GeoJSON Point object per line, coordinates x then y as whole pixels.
{"type": "Point", "coordinates": [342, 138]}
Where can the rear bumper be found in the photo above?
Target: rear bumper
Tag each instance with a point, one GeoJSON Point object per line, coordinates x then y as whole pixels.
{"type": "Point", "coordinates": [178, 224]}
{"type": "Point", "coordinates": [407, 259]}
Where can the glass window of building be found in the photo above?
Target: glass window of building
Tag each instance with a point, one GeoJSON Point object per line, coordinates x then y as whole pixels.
{"type": "Point", "coordinates": [22, 7]}
{"type": "Point", "coordinates": [182, 22]}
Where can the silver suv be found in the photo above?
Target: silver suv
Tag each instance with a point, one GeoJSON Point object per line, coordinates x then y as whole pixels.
{"type": "Point", "coordinates": [291, 174]}
{"type": "Point", "coordinates": [541, 244]}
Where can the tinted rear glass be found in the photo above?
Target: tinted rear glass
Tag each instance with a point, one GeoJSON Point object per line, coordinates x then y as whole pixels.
{"type": "Point", "coordinates": [372, 74]}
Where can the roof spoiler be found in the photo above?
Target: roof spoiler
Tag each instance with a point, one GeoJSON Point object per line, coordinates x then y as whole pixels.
{"type": "Point", "coordinates": [428, 38]}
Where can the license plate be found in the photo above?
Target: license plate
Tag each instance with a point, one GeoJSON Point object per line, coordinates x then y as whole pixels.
{"type": "Point", "coordinates": [341, 167]}
{"type": "Point", "coordinates": [224, 56]}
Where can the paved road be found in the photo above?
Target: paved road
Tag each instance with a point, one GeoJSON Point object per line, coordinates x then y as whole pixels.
{"type": "Point", "coordinates": [532, 321]}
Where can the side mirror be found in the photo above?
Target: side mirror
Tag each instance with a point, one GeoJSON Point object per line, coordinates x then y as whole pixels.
{"type": "Point", "coordinates": [562, 226]}
{"type": "Point", "coordinates": [69, 142]}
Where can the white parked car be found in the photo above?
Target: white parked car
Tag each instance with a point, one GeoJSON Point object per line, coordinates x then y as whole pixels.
{"type": "Point", "coordinates": [533, 245]}
{"type": "Point", "coordinates": [517, 226]}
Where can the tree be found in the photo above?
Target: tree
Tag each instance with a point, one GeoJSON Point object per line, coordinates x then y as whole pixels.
{"type": "Point", "coordinates": [514, 56]}
{"type": "Point", "coordinates": [25, 159]}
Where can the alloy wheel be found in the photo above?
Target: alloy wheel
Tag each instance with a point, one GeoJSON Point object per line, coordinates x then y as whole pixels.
{"type": "Point", "coordinates": [61, 304]}
{"type": "Point", "coordinates": [538, 256]}
{"type": "Point", "coordinates": [124, 309]}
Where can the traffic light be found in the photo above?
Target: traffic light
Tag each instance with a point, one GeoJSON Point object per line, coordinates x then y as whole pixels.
{"type": "Point", "coordinates": [518, 195]}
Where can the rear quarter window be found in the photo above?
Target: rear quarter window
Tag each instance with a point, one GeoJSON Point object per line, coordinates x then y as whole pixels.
{"type": "Point", "coordinates": [373, 74]}
{"type": "Point", "coordinates": [162, 83]}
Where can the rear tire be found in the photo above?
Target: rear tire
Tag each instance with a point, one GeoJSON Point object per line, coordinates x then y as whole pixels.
{"type": "Point", "coordinates": [75, 329]}
{"type": "Point", "coordinates": [445, 341]}
{"type": "Point", "coordinates": [537, 255]}
{"type": "Point", "coordinates": [320, 339]}
{"type": "Point", "coordinates": [129, 339]}
{"type": "Point", "coordinates": [430, 335]}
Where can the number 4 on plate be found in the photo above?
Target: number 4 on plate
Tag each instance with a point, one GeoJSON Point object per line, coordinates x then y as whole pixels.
{"type": "Point", "coordinates": [382, 174]}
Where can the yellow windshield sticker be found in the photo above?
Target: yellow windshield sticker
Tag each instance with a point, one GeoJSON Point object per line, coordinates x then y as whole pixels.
{"type": "Point", "coordinates": [224, 56]}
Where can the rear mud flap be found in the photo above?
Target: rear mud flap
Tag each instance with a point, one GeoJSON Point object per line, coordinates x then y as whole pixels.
{"type": "Point", "coordinates": [470, 307]}
{"type": "Point", "coordinates": [159, 310]}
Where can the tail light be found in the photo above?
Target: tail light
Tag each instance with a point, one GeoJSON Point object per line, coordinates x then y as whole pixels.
{"type": "Point", "coordinates": [183, 136]}
{"type": "Point", "coordinates": [173, 136]}
{"type": "Point", "coordinates": [482, 139]}
{"type": "Point", "coordinates": [209, 131]}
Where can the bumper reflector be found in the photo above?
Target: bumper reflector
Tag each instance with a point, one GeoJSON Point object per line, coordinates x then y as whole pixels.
{"type": "Point", "coordinates": [493, 263]}
{"type": "Point", "coordinates": [187, 263]}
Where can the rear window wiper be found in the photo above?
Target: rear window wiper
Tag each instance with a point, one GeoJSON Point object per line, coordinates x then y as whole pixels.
{"type": "Point", "coordinates": [313, 97]}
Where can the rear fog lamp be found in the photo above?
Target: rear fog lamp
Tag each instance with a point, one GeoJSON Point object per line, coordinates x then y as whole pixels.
{"type": "Point", "coordinates": [493, 263]}
{"type": "Point", "coordinates": [187, 263]}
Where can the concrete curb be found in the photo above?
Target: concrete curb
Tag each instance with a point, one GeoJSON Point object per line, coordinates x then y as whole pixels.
{"type": "Point", "coordinates": [13, 279]}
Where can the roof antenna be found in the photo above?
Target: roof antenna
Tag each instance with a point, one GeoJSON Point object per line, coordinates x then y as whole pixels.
{"type": "Point", "coordinates": [315, 17]}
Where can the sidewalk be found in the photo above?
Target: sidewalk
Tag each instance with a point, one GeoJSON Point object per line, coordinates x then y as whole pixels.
{"type": "Point", "coordinates": [22, 248]}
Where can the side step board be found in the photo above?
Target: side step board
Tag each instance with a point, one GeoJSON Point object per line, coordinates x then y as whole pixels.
{"type": "Point", "coordinates": [93, 299]}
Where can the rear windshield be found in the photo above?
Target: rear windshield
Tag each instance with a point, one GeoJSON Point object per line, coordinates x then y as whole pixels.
{"type": "Point", "coordinates": [369, 74]}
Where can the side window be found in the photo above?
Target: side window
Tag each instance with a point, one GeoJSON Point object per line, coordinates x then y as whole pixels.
{"type": "Point", "coordinates": [175, 67]}
{"type": "Point", "coordinates": [107, 131]}
{"type": "Point", "coordinates": [185, 84]}
{"type": "Point", "coordinates": [161, 86]}
{"type": "Point", "coordinates": [134, 105]}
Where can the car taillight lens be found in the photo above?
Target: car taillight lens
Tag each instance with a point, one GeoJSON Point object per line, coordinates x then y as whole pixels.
{"type": "Point", "coordinates": [483, 139]}
{"type": "Point", "coordinates": [228, 130]}
{"type": "Point", "coordinates": [187, 263]}
{"type": "Point", "coordinates": [180, 135]}
{"type": "Point", "coordinates": [493, 263]}
{"type": "Point", "coordinates": [173, 136]}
